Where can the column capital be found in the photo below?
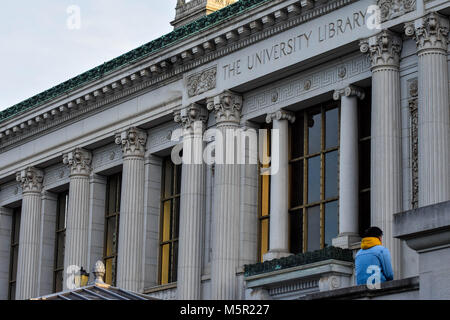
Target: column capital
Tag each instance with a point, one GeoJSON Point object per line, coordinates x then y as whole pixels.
{"type": "Point", "coordinates": [190, 115]}
{"type": "Point", "coordinates": [384, 49]}
{"type": "Point", "coordinates": [227, 107]}
{"type": "Point", "coordinates": [133, 142]}
{"type": "Point", "coordinates": [429, 32]}
{"type": "Point", "coordinates": [349, 91]}
{"type": "Point", "coordinates": [79, 162]}
{"type": "Point", "coordinates": [280, 115]}
{"type": "Point", "coordinates": [31, 180]}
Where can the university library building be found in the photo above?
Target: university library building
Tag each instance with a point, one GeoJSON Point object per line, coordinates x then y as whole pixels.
{"type": "Point", "coordinates": [239, 157]}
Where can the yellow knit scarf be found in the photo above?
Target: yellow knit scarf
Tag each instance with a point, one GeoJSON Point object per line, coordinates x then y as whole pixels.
{"type": "Point", "coordinates": [369, 242]}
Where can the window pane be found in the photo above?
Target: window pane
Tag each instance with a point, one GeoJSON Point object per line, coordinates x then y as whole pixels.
{"type": "Point", "coordinates": [17, 216]}
{"type": "Point", "coordinates": [296, 231]}
{"type": "Point", "coordinates": [364, 211]}
{"type": "Point", "coordinates": [166, 220]}
{"type": "Point", "coordinates": [111, 237]}
{"type": "Point", "coordinates": [364, 164]}
{"type": "Point", "coordinates": [15, 257]}
{"type": "Point", "coordinates": [175, 218]}
{"type": "Point", "coordinates": [112, 195]}
{"type": "Point", "coordinates": [265, 195]}
{"type": "Point", "coordinates": [165, 261]}
{"type": "Point", "coordinates": [109, 271]}
{"type": "Point", "coordinates": [174, 261]}
{"type": "Point", "coordinates": [264, 237]}
{"type": "Point", "coordinates": [332, 128]}
{"type": "Point", "coordinates": [331, 222]}
{"type": "Point", "coordinates": [364, 112]}
{"type": "Point", "coordinates": [178, 179]}
{"type": "Point", "coordinates": [314, 179]}
{"type": "Point", "coordinates": [297, 136]}
{"type": "Point", "coordinates": [314, 132]}
{"type": "Point", "coordinates": [59, 281]}
{"type": "Point", "coordinates": [296, 195]}
{"type": "Point", "coordinates": [168, 178]}
{"type": "Point", "coordinates": [331, 174]}
{"type": "Point", "coordinates": [12, 291]}
{"type": "Point", "coordinates": [313, 228]}
{"type": "Point", "coordinates": [60, 250]}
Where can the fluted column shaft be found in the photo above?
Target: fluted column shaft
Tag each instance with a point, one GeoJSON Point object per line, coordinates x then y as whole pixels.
{"type": "Point", "coordinates": [348, 166]}
{"type": "Point", "coordinates": [77, 225]}
{"type": "Point", "coordinates": [430, 33]}
{"type": "Point", "coordinates": [279, 193]}
{"type": "Point", "coordinates": [192, 203]}
{"type": "Point", "coordinates": [30, 228]}
{"type": "Point", "coordinates": [386, 147]}
{"type": "Point", "coordinates": [225, 233]}
{"type": "Point", "coordinates": [130, 263]}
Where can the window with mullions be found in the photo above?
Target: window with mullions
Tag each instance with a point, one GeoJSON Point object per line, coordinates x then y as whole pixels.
{"type": "Point", "coordinates": [14, 255]}
{"type": "Point", "coordinates": [314, 172]}
{"type": "Point", "coordinates": [61, 218]}
{"type": "Point", "coordinates": [264, 201]}
{"type": "Point", "coordinates": [170, 216]}
{"type": "Point", "coordinates": [111, 245]}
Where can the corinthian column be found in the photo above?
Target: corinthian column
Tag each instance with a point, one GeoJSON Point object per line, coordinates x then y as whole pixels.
{"type": "Point", "coordinates": [30, 227]}
{"type": "Point", "coordinates": [348, 167]}
{"type": "Point", "coordinates": [279, 184]}
{"type": "Point", "coordinates": [225, 233]}
{"type": "Point", "coordinates": [431, 35]}
{"type": "Point", "coordinates": [192, 207]}
{"type": "Point", "coordinates": [77, 231]}
{"type": "Point", "coordinates": [386, 166]}
{"type": "Point", "coordinates": [131, 228]}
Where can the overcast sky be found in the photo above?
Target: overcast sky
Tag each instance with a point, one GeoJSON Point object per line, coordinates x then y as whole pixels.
{"type": "Point", "coordinates": [42, 44]}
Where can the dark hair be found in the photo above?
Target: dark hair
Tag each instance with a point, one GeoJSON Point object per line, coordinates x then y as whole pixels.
{"type": "Point", "coordinates": [373, 232]}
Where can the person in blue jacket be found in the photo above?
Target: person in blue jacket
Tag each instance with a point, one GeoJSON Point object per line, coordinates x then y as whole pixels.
{"type": "Point", "coordinates": [373, 260]}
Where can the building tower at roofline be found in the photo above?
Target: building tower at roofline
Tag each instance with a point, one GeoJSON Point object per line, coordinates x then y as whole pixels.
{"type": "Point", "coordinates": [188, 11]}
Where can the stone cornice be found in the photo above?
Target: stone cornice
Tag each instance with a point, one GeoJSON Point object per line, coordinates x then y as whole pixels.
{"type": "Point", "coordinates": [430, 32]}
{"type": "Point", "coordinates": [384, 49]}
{"type": "Point", "coordinates": [133, 142]}
{"type": "Point", "coordinates": [170, 66]}
{"type": "Point", "coordinates": [79, 162]}
{"type": "Point", "coordinates": [31, 180]}
{"type": "Point", "coordinates": [227, 106]}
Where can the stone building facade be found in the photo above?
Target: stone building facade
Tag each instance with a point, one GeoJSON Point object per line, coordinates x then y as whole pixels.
{"type": "Point", "coordinates": [358, 103]}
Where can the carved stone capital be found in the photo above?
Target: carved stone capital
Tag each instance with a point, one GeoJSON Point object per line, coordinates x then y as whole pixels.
{"type": "Point", "coordinates": [384, 49]}
{"type": "Point", "coordinates": [133, 142]}
{"type": "Point", "coordinates": [31, 180]}
{"type": "Point", "coordinates": [227, 107]}
{"type": "Point", "coordinates": [349, 91]}
{"type": "Point", "coordinates": [280, 115]}
{"type": "Point", "coordinates": [188, 116]}
{"type": "Point", "coordinates": [79, 162]}
{"type": "Point", "coordinates": [429, 32]}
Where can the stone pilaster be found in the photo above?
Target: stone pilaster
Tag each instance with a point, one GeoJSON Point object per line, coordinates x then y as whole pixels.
{"type": "Point", "coordinates": [192, 207]}
{"type": "Point", "coordinates": [225, 226]}
{"type": "Point", "coordinates": [279, 186]}
{"type": "Point", "coordinates": [77, 228]}
{"type": "Point", "coordinates": [348, 167]}
{"type": "Point", "coordinates": [386, 147]}
{"type": "Point", "coordinates": [431, 35]}
{"type": "Point", "coordinates": [130, 262]}
{"type": "Point", "coordinates": [30, 227]}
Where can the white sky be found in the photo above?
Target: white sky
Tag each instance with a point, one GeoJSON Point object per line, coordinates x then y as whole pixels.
{"type": "Point", "coordinates": [39, 51]}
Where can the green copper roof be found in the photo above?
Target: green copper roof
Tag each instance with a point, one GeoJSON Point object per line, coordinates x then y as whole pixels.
{"type": "Point", "coordinates": [298, 260]}
{"type": "Point", "coordinates": [132, 56]}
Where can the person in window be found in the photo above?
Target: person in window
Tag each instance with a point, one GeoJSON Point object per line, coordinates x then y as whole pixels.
{"type": "Point", "coordinates": [373, 261]}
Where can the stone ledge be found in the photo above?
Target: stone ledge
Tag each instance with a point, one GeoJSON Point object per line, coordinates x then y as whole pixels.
{"type": "Point", "coordinates": [358, 292]}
